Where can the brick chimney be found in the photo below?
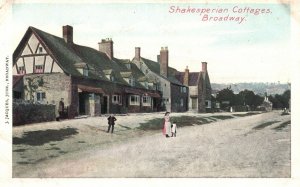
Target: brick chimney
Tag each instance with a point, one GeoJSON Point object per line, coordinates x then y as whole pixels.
{"type": "Point", "coordinates": [186, 77]}
{"type": "Point", "coordinates": [107, 46]}
{"type": "Point", "coordinates": [164, 61]}
{"type": "Point", "coordinates": [204, 66]}
{"type": "Point", "coordinates": [158, 58]}
{"type": "Point", "coordinates": [68, 33]}
{"type": "Point", "coordinates": [137, 53]}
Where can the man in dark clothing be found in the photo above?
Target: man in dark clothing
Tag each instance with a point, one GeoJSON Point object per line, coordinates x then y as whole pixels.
{"type": "Point", "coordinates": [61, 108]}
{"type": "Point", "coordinates": [111, 123]}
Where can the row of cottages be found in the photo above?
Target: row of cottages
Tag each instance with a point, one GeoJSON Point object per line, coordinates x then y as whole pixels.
{"type": "Point", "coordinates": [174, 93]}
{"type": "Point", "coordinates": [47, 69]}
{"type": "Point", "coordinates": [181, 91]}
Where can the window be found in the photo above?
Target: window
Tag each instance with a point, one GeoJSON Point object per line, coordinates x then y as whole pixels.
{"type": "Point", "coordinates": [40, 49]}
{"type": "Point", "coordinates": [134, 100]}
{"type": "Point", "coordinates": [182, 89]}
{"type": "Point", "coordinates": [116, 99]}
{"type": "Point", "coordinates": [85, 72]}
{"type": "Point", "coordinates": [128, 66]}
{"type": "Point", "coordinates": [146, 85]}
{"type": "Point", "coordinates": [181, 102]}
{"type": "Point", "coordinates": [38, 69]}
{"type": "Point", "coordinates": [112, 78]}
{"type": "Point", "coordinates": [131, 81]}
{"type": "Point", "coordinates": [21, 69]}
{"type": "Point", "coordinates": [207, 104]}
{"type": "Point", "coordinates": [146, 101]}
{"type": "Point", "coordinates": [40, 96]}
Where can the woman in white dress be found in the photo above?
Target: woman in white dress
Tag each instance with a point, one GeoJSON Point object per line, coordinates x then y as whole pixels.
{"type": "Point", "coordinates": [167, 125]}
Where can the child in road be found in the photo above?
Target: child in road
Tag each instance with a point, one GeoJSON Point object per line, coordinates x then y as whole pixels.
{"type": "Point", "coordinates": [173, 129]}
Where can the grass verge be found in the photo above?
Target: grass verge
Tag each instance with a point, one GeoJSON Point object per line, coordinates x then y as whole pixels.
{"type": "Point", "coordinates": [282, 125]}
{"type": "Point", "coordinates": [246, 114]}
{"type": "Point", "coordinates": [182, 121]}
{"type": "Point", "coordinates": [263, 125]}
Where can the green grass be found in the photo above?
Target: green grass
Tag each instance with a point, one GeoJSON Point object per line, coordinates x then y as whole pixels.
{"type": "Point", "coordinates": [182, 121]}
{"type": "Point", "coordinates": [282, 125]}
{"type": "Point", "coordinates": [41, 137]}
{"type": "Point", "coordinates": [222, 117]}
{"type": "Point", "coordinates": [263, 125]}
{"type": "Point", "coordinates": [125, 127]}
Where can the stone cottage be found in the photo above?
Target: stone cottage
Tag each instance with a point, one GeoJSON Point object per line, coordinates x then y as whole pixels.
{"type": "Point", "coordinates": [174, 93]}
{"type": "Point", "coordinates": [199, 88]}
{"type": "Point", "coordinates": [47, 68]}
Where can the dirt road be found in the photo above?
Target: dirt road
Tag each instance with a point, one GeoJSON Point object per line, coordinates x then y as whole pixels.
{"type": "Point", "coordinates": [251, 146]}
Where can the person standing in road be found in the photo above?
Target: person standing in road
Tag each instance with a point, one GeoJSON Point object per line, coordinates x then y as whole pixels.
{"type": "Point", "coordinates": [61, 108]}
{"type": "Point", "coordinates": [111, 123]}
{"type": "Point", "coordinates": [174, 129]}
{"type": "Point", "coordinates": [167, 125]}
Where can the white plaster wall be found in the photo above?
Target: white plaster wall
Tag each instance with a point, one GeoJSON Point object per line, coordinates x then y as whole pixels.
{"type": "Point", "coordinates": [33, 42]}
{"type": "Point", "coordinates": [56, 68]}
{"type": "Point", "coordinates": [48, 64]}
{"type": "Point", "coordinates": [26, 51]}
{"type": "Point", "coordinates": [39, 60]}
{"type": "Point", "coordinates": [28, 61]}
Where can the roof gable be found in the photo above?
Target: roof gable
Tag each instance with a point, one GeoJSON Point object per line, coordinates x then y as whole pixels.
{"type": "Point", "coordinates": [155, 67]}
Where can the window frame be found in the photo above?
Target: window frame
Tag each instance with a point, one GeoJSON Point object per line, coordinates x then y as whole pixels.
{"type": "Point", "coordinates": [21, 70]}
{"type": "Point", "coordinates": [116, 99]}
{"type": "Point", "coordinates": [146, 100]}
{"type": "Point", "coordinates": [38, 68]}
{"type": "Point", "coordinates": [136, 99]}
{"type": "Point", "coordinates": [40, 96]}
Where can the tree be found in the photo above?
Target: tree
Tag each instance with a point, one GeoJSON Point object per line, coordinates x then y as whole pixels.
{"type": "Point", "coordinates": [281, 101]}
{"type": "Point", "coordinates": [33, 83]}
{"type": "Point", "coordinates": [226, 95]}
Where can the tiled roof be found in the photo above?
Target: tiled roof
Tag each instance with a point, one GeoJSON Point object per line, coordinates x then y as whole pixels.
{"type": "Point", "coordinates": [70, 56]}
{"type": "Point", "coordinates": [193, 77]}
{"type": "Point", "coordinates": [155, 67]}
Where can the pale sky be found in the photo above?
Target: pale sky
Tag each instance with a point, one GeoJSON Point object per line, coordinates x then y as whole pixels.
{"type": "Point", "coordinates": [257, 50]}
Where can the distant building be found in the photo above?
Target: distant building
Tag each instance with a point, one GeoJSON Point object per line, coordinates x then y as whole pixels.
{"type": "Point", "coordinates": [199, 88]}
{"type": "Point", "coordinates": [267, 105]}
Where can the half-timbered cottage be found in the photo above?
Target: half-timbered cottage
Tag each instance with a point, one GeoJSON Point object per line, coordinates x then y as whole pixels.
{"type": "Point", "coordinates": [47, 68]}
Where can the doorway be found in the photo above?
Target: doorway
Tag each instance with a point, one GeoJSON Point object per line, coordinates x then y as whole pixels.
{"type": "Point", "coordinates": [104, 104]}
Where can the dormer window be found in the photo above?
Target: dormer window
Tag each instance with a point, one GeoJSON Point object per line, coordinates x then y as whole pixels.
{"type": "Point", "coordinates": [131, 81]}
{"type": "Point", "coordinates": [128, 66]}
{"type": "Point", "coordinates": [83, 68]}
{"type": "Point", "coordinates": [85, 72]}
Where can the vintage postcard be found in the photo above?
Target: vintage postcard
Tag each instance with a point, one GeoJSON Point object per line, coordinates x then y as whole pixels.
{"type": "Point", "coordinates": [175, 92]}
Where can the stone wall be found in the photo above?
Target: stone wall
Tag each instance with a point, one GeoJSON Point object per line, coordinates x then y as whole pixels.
{"type": "Point", "coordinates": [55, 86]}
{"type": "Point", "coordinates": [26, 113]}
{"type": "Point", "coordinates": [176, 96]}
